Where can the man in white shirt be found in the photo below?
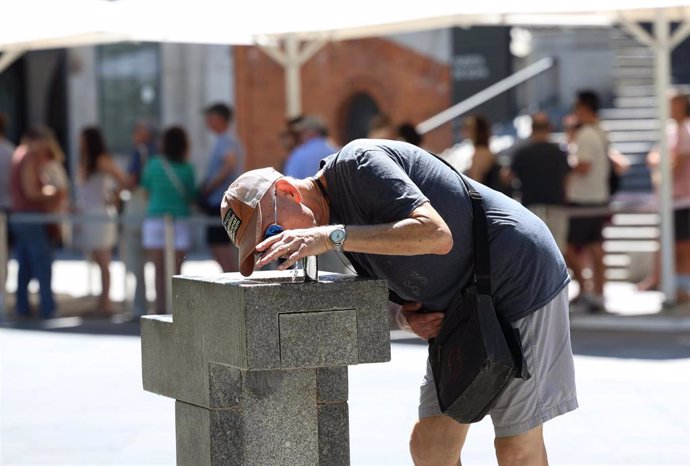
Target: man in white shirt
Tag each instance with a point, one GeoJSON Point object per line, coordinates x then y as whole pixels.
{"type": "Point", "coordinates": [588, 188]}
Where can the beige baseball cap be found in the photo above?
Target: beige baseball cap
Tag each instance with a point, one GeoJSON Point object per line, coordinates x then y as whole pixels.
{"type": "Point", "coordinates": [240, 212]}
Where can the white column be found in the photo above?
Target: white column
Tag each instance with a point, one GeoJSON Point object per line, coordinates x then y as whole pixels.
{"type": "Point", "coordinates": [662, 49]}
{"type": "Point", "coordinates": [293, 82]}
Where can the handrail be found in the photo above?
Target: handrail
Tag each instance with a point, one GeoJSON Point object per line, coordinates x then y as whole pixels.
{"type": "Point", "coordinates": [489, 93]}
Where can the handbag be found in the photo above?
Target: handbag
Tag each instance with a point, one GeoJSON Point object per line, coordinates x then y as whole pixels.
{"type": "Point", "coordinates": [476, 353]}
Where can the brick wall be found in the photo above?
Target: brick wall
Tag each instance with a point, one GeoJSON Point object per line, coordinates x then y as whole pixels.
{"type": "Point", "coordinates": [405, 85]}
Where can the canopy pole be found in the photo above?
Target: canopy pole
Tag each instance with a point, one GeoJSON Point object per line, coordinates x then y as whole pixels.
{"type": "Point", "coordinates": [637, 32]}
{"type": "Point", "coordinates": [291, 57]}
{"type": "Point", "coordinates": [680, 34]}
{"type": "Point", "coordinates": [662, 49]}
{"type": "Point", "coordinates": [293, 81]}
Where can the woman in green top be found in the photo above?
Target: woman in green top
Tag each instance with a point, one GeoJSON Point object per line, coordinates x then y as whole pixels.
{"type": "Point", "coordinates": [170, 184]}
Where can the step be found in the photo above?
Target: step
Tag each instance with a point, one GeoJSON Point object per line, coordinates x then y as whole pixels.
{"type": "Point", "coordinates": [633, 81]}
{"type": "Point", "coordinates": [617, 246]}
{"type": "Point", "coordinates": [634, 72]}
{"type": "Point", "coordinates": [618, 275]}
{"type": "Point", "coordinates": [632, 60]}
{"type": "Point", "coordinates": [630, 232]}
{"type": "Point", "coordinates": [633, 136]}
{"type": "Point", "coordinates": [617, 260]}
{"type": "Point", "coordinates": [625, 102]}
{"type": "Point", "coordinates": [644, 124]}
{"type": "Point", "coordinates": [648, 90]}
{"type": "Point", "coordinates": [632, 51]}
{"type": "Point", "coordinates": [627, 113]}
{"type": "Point", "coordinates": [635, 219]}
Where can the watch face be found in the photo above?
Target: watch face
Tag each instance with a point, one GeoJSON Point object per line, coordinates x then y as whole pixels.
{"type": "Point", "coordinates": [338, 236]}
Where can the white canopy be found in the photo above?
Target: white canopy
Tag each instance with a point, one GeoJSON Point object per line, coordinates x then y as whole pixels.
{"type": "Point", "coordinates": [280, 25]}
{"type": "Point", "coordinates": [40, 24]}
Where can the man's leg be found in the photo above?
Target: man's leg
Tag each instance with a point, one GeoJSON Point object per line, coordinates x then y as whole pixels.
{"type": "Point", "coordinates": [437, 441]}
{"type": "Point", "coordinates": [24, 274]}
{"type": "Point", "coordinates": [596, 251]}
{"type": "Point", "coordinates": [523, 449]}
{"type": "Point", "coordinates": [573, 260]}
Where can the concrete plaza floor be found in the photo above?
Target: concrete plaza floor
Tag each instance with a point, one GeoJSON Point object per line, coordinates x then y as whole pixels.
{"type": "Point", "coordinates": [71, 393]}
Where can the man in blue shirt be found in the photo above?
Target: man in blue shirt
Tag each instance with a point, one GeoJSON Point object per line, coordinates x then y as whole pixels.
{"type": "Point", "coordinates": [225, 165]}
{"type": "Point", "coordinates": [305, 159]}
{"type": "Point", "coordinates": [399, 213]}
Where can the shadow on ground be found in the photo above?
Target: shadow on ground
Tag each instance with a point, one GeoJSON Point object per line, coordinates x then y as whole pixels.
{"type": "Point", "coordinates": [76, 317]}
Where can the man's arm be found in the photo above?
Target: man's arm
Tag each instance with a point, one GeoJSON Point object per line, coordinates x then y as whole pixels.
{"type": "Point", "coordinates": [422, 232]}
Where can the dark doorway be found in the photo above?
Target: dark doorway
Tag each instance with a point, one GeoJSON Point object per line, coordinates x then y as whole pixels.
{"type": "Point", "coordinates": [360, 110]}
{"type": "Point", "coordinates": [12, 99]}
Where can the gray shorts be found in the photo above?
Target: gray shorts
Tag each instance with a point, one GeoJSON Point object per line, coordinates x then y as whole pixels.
{"type": "Point", "coordinates": [550, 391]}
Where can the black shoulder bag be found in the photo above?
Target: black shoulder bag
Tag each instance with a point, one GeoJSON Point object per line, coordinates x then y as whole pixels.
{"type": "Point", "coordinates": [476, 353]}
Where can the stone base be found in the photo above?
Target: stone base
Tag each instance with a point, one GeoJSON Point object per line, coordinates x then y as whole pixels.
{"type": "Point", "coordinates": [282, 417]}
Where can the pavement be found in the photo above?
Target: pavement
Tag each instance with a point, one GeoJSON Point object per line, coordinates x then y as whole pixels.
{"type": "Point", "coordinates": [71, 390]}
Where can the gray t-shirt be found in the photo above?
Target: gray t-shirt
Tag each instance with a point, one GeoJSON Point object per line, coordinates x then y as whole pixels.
{"type": "Point", "coordinates": [374, 181]}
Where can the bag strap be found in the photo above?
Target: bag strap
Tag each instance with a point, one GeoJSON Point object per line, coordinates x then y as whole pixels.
{"type": "Point", "coordinates": [172, 176]}
{"type": "Point", "coordinates": [482, 266]}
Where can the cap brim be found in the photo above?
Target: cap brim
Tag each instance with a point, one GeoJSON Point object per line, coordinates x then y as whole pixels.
{"type": "Point", "coordinates": [247, 245]}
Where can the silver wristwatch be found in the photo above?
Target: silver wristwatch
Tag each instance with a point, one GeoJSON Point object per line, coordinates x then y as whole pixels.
{"type": "Point", "coordinates": [338, 237]}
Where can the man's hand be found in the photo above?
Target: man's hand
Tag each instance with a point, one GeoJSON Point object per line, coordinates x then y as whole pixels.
{"type": "Point", "coordinates": [425, 325]}
{"type": "Point", "coordinates": [294, 245]}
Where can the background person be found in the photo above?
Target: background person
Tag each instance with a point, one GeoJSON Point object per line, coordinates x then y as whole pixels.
{"type": "Point", "coordinates": [304, 160]}
{"type": "Point", "coordinates": [225, 164]}
{"type": "Point", "coordinates": [100, 182]}
{"type": "Point", "coordinates": [588, 187]}
{"type": "Point", "coordinates": [678, 137]}
{"type": "Point", "coordinates": [542, 169]}
{"type": "Point", "coordinates": [381, 127]}
{"type": "Point", "coordinates": [484, 167]}
{"type": "Point", "coordinates": [402, 215]}
{"type": "Point", "coordinates": [408, 132]}
{"type": "Point", "coordinates": [53, 173]}
{"type": "Point", "coordinates": [169, 181]}
{"type": "Point", "coordinates": [30, 194]}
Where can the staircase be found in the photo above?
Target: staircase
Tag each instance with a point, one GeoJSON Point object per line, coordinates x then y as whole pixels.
{"type": "Point", "coordinates": [632, 126]}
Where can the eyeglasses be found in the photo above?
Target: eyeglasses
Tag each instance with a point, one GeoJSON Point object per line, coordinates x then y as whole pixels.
{"type": "Point", "coordinates": [274, 229]}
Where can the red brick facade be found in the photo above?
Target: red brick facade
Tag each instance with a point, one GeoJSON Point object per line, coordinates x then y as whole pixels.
{"type": "Point", "coordinates": [404, 84]}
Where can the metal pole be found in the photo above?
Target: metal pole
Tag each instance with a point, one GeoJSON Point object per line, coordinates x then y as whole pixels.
{"type": "Point", "coordinates": [662, 49]}
{"type": "Point", "coordinates": [4, 258]}
{"type": "Point", "coordinates": [487, 94]}
{"type": "Point", "coordinates": [168, 260]}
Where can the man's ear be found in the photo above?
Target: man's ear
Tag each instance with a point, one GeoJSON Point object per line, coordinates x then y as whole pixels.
{"type": "Point", "coordinates": [286, 186]}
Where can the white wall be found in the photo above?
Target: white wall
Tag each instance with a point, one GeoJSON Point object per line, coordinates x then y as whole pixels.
{"type": "Point", "coordinates": [584, 61]}
{"type": "Point", "coordinates": [82, 99]}
{"type": "Point", "coordinates": [192, 77]}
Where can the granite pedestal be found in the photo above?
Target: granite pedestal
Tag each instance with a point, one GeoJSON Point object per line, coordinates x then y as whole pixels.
{"type": "Point", "coordinates": [258, 366]}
